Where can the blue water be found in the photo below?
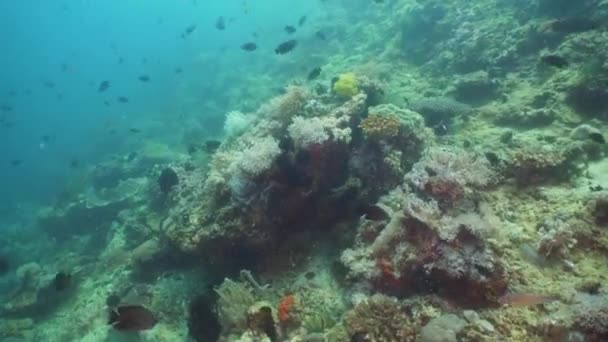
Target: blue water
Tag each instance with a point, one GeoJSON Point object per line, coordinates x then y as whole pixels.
{"type": "Point", "coordinates": [55, 54]}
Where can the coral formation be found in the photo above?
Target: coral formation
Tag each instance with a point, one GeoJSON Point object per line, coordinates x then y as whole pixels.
{"type": "Point", "coordinates": [346, 85]}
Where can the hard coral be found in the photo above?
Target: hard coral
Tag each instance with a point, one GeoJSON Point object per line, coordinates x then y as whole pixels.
{"type": "Point", "coordinates": [380, 318]}
{"type": "Point", "coordinates": [380, 126]}
{"type": "Point", "coordinates": [448, 174]}
{"type": "Point", "coordinates": [346, 85]}
{"type": "Point", "coordinates": [538, 163]}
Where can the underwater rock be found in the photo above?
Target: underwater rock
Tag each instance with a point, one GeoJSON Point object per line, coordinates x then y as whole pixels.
{"type": "Point", "coordinates": [80, 218]}
{"type": "Point", "coordinates": [440, 110]}
{"type": "Point", "coordinates": [443, 329]}
{"type": "Point", "coordinates": [167, 180]}
{"type": "Point", "coordinates": [448, 259]}
{"type": "Point", "coordinates": [475, 88]}
{"type": "Point", "coordinates": [526, 117]}
{"type": "Point", "coordinates": [588, 133]}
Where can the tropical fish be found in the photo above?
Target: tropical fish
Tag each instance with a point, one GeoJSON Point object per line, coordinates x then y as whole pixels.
{"type": "Point", "coordinates": [314, 73]}
{"type": "Point", "coordinates": [286, 47]}
{"type": "Point", "coordinates": [123, 99]}
{"type": "Point", "coordinates": [520, 300]}
{"type": "Point", "coordinates": [6, 108]}
{"type": "Point", "coordinates": [16, 162]}
{"type": "Point", "coordinates": [373, 213]}
{"type": "Point", "coordinates": [132, 318]}
{"type": "Point", "coordinates": [144, 78]}
{"type": "Point", "coordinates": [555, 60]}
{"type": "Point", "coordinates": [178, 70]}
{"type": "Point", "coordinates": [220, 23]}
{"type": "Point", "coordinates": [290, 29]}
{"type": "Point", "coordinates": [103, 86]}
{"type": "Point", "coordinates": [302, 20]}
{"type": "Point", "coordinates": [250, 46]}
{"type": "Point", "coordinates": [134, 130]}
{"type": "Point", "coordinates": [49, 84]}
{"type": "Point", "coordinates": [320, 35]}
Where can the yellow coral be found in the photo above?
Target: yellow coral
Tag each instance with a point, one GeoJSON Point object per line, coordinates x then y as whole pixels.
{"type": "Point", "coordinates": [346, 85]}
{"type": "Point", "coordinates": [380, 126]}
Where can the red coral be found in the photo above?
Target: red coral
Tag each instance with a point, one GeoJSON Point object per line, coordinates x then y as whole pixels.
{"type": "Point", "coordinates": [443, 189]}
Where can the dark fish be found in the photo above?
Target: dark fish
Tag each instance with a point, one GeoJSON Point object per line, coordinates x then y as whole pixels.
{"type": "Point", "coordinates": [286, 47]}
{"type": "Point", "coordinates": [123, 99]}
{"type": "Point", "coordinates": [220, 23]}
{"type": "Point", "coordinates": [74, 163]}
{"type": "Point", "coordinates": [113, 300]}
{"type": "Point", "coordinates": [290, 29]}
{"type": "Point", "coordinates": [46, 138]}
{"type": "Point", "coordinates": [302, 21]}
{"type": "Point", "coordinates": [49, 84]}
{"type": "Point", "coordinates": [167, 180]}
{"type": "Point", "coordinates": [6, 108]}
{"type": "Point", "coordinates": [203, 321]}
{"type": "Point", "coordinates": [12, 93]}
{"type": "Point", "coordinates": [573, 24]}
{"type": "Point", "coordinates": [5, 265]}
{"type": "Point", "coordinates": [121, 60]}
{"type": "Point", "coordinates": [212, 145]}
{"type": "Point", "coordinates": [132, 318]}
{"type": "Point", "coordinates": [107, 103]}
{"type": "Point", "coordinates": [314, 73]}
{"type": "Point", "coordinates": [178, 70]}
{"type": "Point", "coordinates": [597, 137]}
{"type": "Point", "coordinates": [16, 162]}
{"type": "Point", "coordinates": [62, 281]}
{"type": "Point", "coordinates": [251, 46]}
{"type": "Point", "coordinates": [103, 86]}
{"type": "Point", "coordinates": [144, 78]}
{"type": "Point", "coordinates": [520, 300]}
{"type": "Point", "coordinates": [188, 30]}
{"type": "Point", "coordinates": [373, 213]}
{"type": "Point", "coordinates": [134, 130]}
{"type": "Point", "coordinates": [320, 35]}
{"type": "Point", "coordinates": [555, 60]}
